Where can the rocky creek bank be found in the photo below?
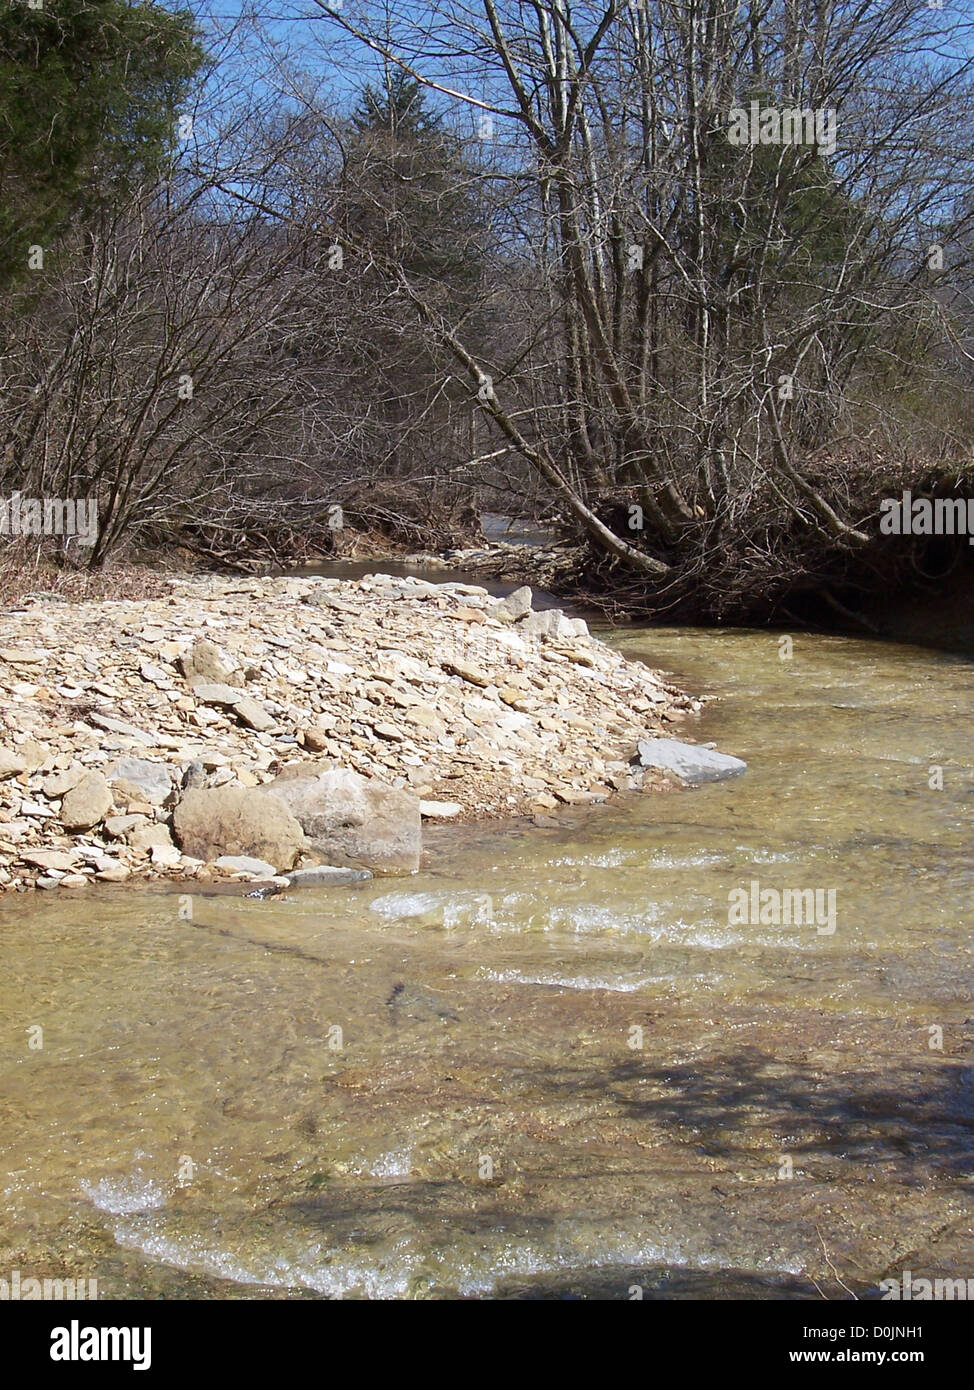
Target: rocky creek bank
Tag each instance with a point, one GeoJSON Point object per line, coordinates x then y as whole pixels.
{"type": "Point", "coordinates": [301, 729]}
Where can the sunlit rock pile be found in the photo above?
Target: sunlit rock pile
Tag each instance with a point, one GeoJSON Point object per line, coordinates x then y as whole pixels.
{"type": "Point", "coordinates": [266, 726]}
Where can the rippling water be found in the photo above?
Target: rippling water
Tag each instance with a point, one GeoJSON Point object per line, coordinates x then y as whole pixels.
{"type": "Point", "coordinates": [548, 1065]}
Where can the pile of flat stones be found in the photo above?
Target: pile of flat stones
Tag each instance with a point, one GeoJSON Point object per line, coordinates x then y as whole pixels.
{"type": "Point", "coordinates": [240, 728]}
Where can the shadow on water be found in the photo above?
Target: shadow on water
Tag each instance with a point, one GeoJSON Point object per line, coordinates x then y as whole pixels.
{"type": "Point", "coordinates": [920, 1116]}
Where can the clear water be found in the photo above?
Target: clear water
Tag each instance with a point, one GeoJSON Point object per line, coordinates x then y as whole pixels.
{"type": "Point", "coordinates": [562, 1071]}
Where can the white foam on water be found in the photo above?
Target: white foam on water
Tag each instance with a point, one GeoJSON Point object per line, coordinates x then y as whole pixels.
{"type": "Point", "coordinates": [397, 906]}
{"type": "Point", "coordinates": [398, 1163]}
{"type": "Point", "coordinates": [714, 937]}
{"type": "Point", "coordinates": [615, 983]}
{"type": "Point", "coordinates": [638, 861]}
{"type": "Point", "coordinates": [701, 860]}
{"type": "Point", "coordinates": [651, 923]}
{"type": "Point", "coordinates": [331, 1273]}
{"type": "Point", "coordinates": [705, 934]}
{"type": "Point", "coordinates": [770, 856]}
{"type": "Point", "coordinates": [124, 1196]}
{"type": "Point", "coordinates": [596, 917]}
{"type": "Point", "coordinates": [193, 1255]}
{"type": "Point", "coordinates": [611, 859]}
{"type": "Point", "coordinates": [654, 922]}
{"type": "Point", "coordinates": [447, 909]}
{"type": "Point", "coordinates": [389, 1274]}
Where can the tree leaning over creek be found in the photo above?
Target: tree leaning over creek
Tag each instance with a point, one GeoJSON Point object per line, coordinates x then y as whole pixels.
{"type": "Point", "coordinates": [729, 352]}
{"type": "Point", "coordinates": [503, 255]}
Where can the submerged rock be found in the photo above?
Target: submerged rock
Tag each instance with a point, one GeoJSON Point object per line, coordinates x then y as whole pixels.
{"type": "Point", "coordinates": [326, 876]}
{"type": "Point", "coordinates": [688, 761]}
{"type": "Point", "coordinates": [407, 1000]}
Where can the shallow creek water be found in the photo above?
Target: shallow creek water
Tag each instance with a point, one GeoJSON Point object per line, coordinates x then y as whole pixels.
{"type": "Point", "coordinates": [560, 1070]}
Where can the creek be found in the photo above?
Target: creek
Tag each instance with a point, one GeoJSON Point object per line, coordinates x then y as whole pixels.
{"type": "Point", "coordinates": [550, 1064]}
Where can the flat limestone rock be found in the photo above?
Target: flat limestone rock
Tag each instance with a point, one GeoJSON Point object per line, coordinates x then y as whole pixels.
{"type": "Point", "coordinates": [119, 726]}
{"type": "Point", "coordinates": [326, 876]}
{"type": "Point", "coordinates": [253, 714]}
{"type": "Point", "coordinates": [216, 693]}
{"type": "Point", "coordinates": [153, 780]}
{"type": "Point", "coordinates": [439, 810]}
{"type": "Point", "coordinates": [63, 860]}
{"type": "Point", "coordinates": [114, 873]}
{"type": "Point", "coordinates": [466, 671]}
{"type": "Point", "coordinates": [20, 658]}
{"type": "Point", "coordinates": [58, 783]}
{"type": "Point", "coordinates": [119, 826]}
{"type": "Point", "coordinates": [245, 864]}
{"type": "Point", "coordinates": [688, 761]}
{"type": "Point", "coordinates": [166, 856]}
{"type": "Point", "coordinates": [11, 763]}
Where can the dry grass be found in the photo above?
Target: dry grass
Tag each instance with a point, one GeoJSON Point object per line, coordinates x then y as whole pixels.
{"type": "Point", "coordinates": [24, 571]}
